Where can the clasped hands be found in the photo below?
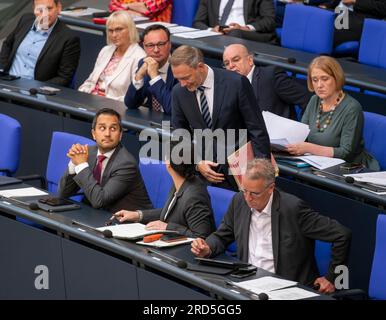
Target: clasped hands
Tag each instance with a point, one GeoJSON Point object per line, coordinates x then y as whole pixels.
{"type": "Point", "coordinates": [150, 67]}
{"type": "Point", "coordinates": [78, 153]}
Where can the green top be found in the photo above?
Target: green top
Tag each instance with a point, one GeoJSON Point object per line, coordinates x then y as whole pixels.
{"type": "Point", "coordinates": [344, 133]}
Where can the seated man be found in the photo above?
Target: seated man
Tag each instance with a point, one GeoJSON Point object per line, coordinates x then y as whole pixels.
{"type": "Point", "coordinates": [276, 231]}
{"type": "Point", "coordinates": [275, 91]}
{"type": "Point", "coordinates": [153, 82]}
{"type": "Point", "coordinates": [107, 173]}
{"type": "Point", "coordinates": [41, 47]}
{"type": "Point", "coordinates": [253, 19]}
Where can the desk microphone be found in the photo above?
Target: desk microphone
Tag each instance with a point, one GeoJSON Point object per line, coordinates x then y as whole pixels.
{"type": "Point", "coordinates": [30, 205]}
{"type": "Point", "coordinates": [290, 60]}
{"type": "Point", "coordinates": [33, 91]}
{"type": "Point", "coordinates": [349, 179]}
{"type": "Point", "coordinates": [107, 233]}
{"type": "Point", "coordinates": [260, 296]}
{"type": "Point", "coordinates": [178, 262]}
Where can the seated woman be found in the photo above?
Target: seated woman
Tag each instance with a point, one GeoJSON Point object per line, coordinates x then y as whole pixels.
{"type": "Point", "coordinates": [155, 10]}
{"type": "Point", "coordinates": [188, 209]}
{"type": "Point", "coordinates": [116, 62]}
{"type": "Point", "coordinates": [334, 117]}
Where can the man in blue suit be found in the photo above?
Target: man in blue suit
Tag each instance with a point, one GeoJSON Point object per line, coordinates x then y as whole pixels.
{"type": "Point", "coordinates": [211, 98]}
{"type": "Point", "coordinates": [152, 84]}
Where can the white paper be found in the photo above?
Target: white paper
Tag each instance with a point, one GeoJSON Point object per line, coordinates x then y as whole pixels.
{"type": "Point", "coordinates": [179, 29]}
{"type": "Point", "coordinates": [130, 230]}
{"type": "Point", "coordinates": [377, 178]}
{"type": "Point", "coordinates": [148, 24]}
{"type": "Point", "coordinates": [280, 128]}
{"type": "Point", "coordinates": [320, 162]}
{"type": "Point", "coordinates": [80, 12]}
{"type": "Point", "coordinates": [197, 34]}
{"type": "Point", "coordinates": [163, 244]}
{"type": "Point", "coordinates": [291, 294]}
{"type": "Point", "coordinates": [22, 192]}
{"type": "Point", "coordinates": [265, 284]}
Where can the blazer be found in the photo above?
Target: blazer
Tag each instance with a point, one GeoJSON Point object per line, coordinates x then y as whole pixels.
{"type": "Point", "coordinates": [122, 186]}
{"type": "Point", "coordinates": [58, 59]}
{"type": "Point", "coordinates": [119, 81]}
{"type": "Point", "coordinates": [234, 107]}
{"type": "Point", "coordinates": [160, 90]}
{"type": "Point", "coordinates": [258, 13]}
{"type": "Point", "coordinates": [191, 214]}
{"type": "Point", "coordinates": [295, 227]}
{"type": "Point", "coordinates": [278, 93]}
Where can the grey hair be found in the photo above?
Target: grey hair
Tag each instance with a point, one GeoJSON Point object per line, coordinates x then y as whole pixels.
{"type": "Point", "coordinates": [261, 169]}
{"type": "Point", "coordinates": [186, 55]}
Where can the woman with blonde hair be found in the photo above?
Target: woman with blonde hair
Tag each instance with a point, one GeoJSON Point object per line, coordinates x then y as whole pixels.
{"type": "Point", "coordinates": [334, 117]}
{"type": "Point", "coordinates": [116, 62]}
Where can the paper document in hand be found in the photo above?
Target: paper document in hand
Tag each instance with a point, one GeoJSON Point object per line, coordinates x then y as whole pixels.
{"type": "Point", "coordinates": [291, 294]}
{"type": "Point", "coordinates": [197, 34]}
{"type": "Point", "coordinates": [163, 244]}
{"type": "Point", "coordinates": [265, 284]}
{"type": "Point", "coordinates": [238, 161]}
{"type": "Point", "coordinates": [378, 178]}
{"type": "Point", "coordinates": [22, 192]}
{"type": "Point", "coordinates": [132, 231]}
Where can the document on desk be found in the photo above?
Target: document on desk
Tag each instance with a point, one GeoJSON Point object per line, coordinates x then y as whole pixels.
{"type": "Point", "coordinates": [179, 29]}
{"type": "Point", "coordinates": [318, 162]}
{"type": "Point", "coordinates": [164, 244]}
{"type": "Point", "coordinates": [265, 284]}
{"type": "Point", "coordinates": [377, 178]}
{"type": "Point", "coordinates": [80, 12]}
{"type": "Point", "coordinates": [197, 34]}
{"type": "Point", "coordinates": [132, 231]}
{"type": "Point", "coordinates": [291, 294]}
{"type": "Point", "coordinates": [283, 131]}
{"type": "Point", "coordinates": [22, 192]}
{"type": "Point", "coordinates": [148, 24]}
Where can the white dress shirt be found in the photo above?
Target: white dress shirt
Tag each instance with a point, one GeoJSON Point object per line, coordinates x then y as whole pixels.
{"type": "Point", "coordinates": [250, 74]}
{"type": "Point", "coordinates": [260, 252]}
{"type": "Point", "coordinates": [208, 91]}
{"type": "Point", "coordinates": [236, 15]}
{"type": "Point", "coordinates": [73, 169]}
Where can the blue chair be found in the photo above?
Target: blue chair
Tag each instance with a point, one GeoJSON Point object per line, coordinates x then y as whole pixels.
{"type": "Point", "coordinates": [372, 50]}
{"type": "Point", "coordinates": [373, 134]}
{"type": "Point", "coordinates": [184, 12]}
{"type": "Point", "coordinates": [10, 140]}
{"type": "Point", "coordinates": [308, 29]}
{"type": "Point", "coordinates": [348, 48]}
{"type": "Point", "coordinates": [157, 180]}
{"type": "Point", "coordinates": [221, 199]}
{"type": "Point", "coordinates": [322, 256]}
{"type": "Point", "coordinates": [377, 285]}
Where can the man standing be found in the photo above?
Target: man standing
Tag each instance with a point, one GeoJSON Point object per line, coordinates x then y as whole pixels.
{"type": "Point", "coordinates": [275, 91]}
{"type": "Point", "coordinates": [153, 81]}
{"type": "Point", "coordinates": [276, 231]}
{"type": "Point", "coordinates": [107, 173]}
{"type": "Point", "coordinates": [41, 47]}
{"type": "Point", "coordinates": [207, 98]}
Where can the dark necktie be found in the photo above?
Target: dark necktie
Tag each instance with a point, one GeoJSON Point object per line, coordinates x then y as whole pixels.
{"type": "Point", "coordinates": [226, 12]}
{"type": "Point", "coordinates": [156, 106]}
{"type": "Point", "coordinates": [204, 107]}
{"type": "Point", "coordinates": [97, 172]}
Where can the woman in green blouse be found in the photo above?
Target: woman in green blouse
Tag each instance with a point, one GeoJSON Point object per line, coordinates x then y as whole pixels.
{"type": "Point", "coordinates": [334, 117]}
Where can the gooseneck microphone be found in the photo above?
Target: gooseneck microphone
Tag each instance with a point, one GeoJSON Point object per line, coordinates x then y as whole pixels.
{"type": "Point", "coordinates": [107, 233]}
{"type": "Point", "coordinates": [349, 179]}
{"type": "Point", "coordinates": [290, 60]}
{"type": "Point", "coordinates": [30, 205]}
{"type": "Point", "coordinates": [253, 295]}
{"type": "Point", "coordinates": [33, 91]}
{"type": "Point", "coordinates": [178, 262]}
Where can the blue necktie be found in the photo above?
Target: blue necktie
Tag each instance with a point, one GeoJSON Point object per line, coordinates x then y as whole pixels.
{"type": "Point", "coordinates": [226, 12]}
{"type": "Point", "coordinates": [204, 107]}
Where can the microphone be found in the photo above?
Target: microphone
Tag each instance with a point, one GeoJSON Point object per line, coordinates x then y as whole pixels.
{"type": "Point", "coordinates": [251, 294]}
{"type": "Point", "coordinates": [106, 233]}
{"type": "Point", "coordinates": [263, 296]}
{"type": "Point", "coordinates": [34, 206]}
{"type": "Point", "coordinates": [178, 262]}
{"type": "Point", "coordinates": [290, 60]}
{"type": "Point", "coordinates": [349, 179]}
{"type": "Point", "coordinates": [33, 91]}
{"type": "Point", "coordinates": [30, 205]}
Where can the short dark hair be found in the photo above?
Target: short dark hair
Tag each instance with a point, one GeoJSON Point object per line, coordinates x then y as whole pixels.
{"type": "Point", "coordinates": [110, 112]}
{"type": "Point", "coordinates": [56, 2]}
{"type": "Point", "coordinates": [155, 27]}
{"type": "Point", "coordinates": [186, 168]}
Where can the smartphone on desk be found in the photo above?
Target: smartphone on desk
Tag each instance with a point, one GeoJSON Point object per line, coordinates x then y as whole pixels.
{"type": "Point", "coordinates": [173, 237]}
{"type": "Point", "coordinates": [54, 202]}
{"type": "Point", "coordinates": [244, 272]}
{"type": "Point", "coordinates": [222, 263]}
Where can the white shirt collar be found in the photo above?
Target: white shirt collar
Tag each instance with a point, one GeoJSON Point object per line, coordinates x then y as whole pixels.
{"type": "Point", "coordinates": [250, 74]}
{"type": "Point", "coordinates": [164, 68]}
{"type": "Point", "coordinates": [209, 81]}
{"type": "Point", "coordinates": [107, 154]}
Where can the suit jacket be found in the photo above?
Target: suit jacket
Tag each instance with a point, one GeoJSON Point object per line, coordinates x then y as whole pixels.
{"type": "Point", "coordinates": [278, 93]}
{"type": "Point", "coordinates": [234, 107]}
{"type": "Point", "coordinates": [58, 59]}
{"type": "Point", "coordinates": [160, 90]}
{"type": "Point", "coordinates": [295, 227]}
{"type": "Point", "coordinates": [191, 214]}
{"type": "Point", "coordinates": [119, 81]}
{"type": "Point", "coordinates": [122, 186]}
{"type": "Point", "coordinates": [366, 8]}
{"type": "Point", "coordinates": [259, 13]}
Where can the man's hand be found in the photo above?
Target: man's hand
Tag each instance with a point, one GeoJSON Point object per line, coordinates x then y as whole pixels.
{"type": "Point", "coordinates": [205, 168]}
{"type": "Point", "coordinates": [235, 26]}
{"type": "Point", "coordinates": [125, 215]}
{"type": "Point", "coordinates": [78, 153]}
{"type": "Point", "coordinates": [152, 67]}
{"type": "Point", "coordinates": [217, 29]}
{"type": "Point", "coordinates": [141, 73]}
{"type": "Point", "coordinates": [200, 248]}
{"type": "Point", "coordinates": [325, 286]}
{"type": "Point", "coordinates": [156, 225]}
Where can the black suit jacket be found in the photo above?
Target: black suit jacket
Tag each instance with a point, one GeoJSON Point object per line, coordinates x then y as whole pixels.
{"type": "Point", "coordinates": [122, 186]}
{"type": "Point", "coordinates": [58, 59]}
{"type": "Point", "coordinates": [234, 107]}
{"type": "Point", "coordinates": [278, 93]}
{"type": "Point", "coordinates": [259, 13]}
{"type": "Point", "coordinates": [295, 227]}
{"type": "Point", "coordinates": [191, 214]}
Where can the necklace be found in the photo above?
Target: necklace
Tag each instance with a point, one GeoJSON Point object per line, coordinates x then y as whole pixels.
{"type": "Point", "coordinates": [321, 127]}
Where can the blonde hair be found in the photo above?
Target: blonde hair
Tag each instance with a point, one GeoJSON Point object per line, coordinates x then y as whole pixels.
{"type": "Point", "coordinates": [186, 55]}
{"type": "Point", "coordinates": [331, 67]}
{"type": "Point", "coordinates": [122, 17]}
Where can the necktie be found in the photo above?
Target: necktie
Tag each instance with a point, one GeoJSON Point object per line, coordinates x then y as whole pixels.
{"type": "Point", "coordinates": [204, 107]}
{"type": "Point", "coordinates": [226, 12]}
{"type": "Point", "coordinates": [97, 172]}
{"type": "Point", "coordinates": [156, 106]}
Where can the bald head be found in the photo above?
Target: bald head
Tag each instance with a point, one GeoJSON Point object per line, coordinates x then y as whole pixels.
{"type": "Point", "coordinates": [237, 58]}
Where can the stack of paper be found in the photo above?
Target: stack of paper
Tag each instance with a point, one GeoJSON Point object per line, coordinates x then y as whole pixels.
{"type": "Point", "coordinates": [179, 29]}
{"type": "Point", "coordinates": [376, 178]}
{"type": "Point", "coordinates": [22, 192]}
{"type": "Point", "coordinates": [80, 12]}
{"type": "Point", "coordinates": [197, 34]}
{"type": "Point", "coordinates": [132, 231]}
{"type": "Point", "coordinates": [318, 162]}
{"type": "Point", "coordinates": [148, 24]}
{"type": "Point", "coordinates": [163, 244]}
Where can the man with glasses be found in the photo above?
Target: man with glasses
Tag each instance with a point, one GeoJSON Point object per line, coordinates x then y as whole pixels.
{"type": "Point", "coordinates": [41, 47]}
{"type": "Point", "coordinates": [275, 91]}
{"type": "Point", "coordinates": [276, 231]}
{"type": "Point", "coordinates": [152, 84]}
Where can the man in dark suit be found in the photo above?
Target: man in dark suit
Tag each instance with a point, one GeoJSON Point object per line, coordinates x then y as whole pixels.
{"type": "Point", "coordinates": [275, 91]}
{"type": "Point", "coordinates": [41, 47]}
{"type": "Point", "coordinates": [215, 99]}
{"type": "Point", "coordinates": [153, 81]}
{"type": "Point", "coordinates": [276, 231]}
{"type": "Point", "coordinates": [107, 173]}
{"type": "Point", "coordinates": [249, 19]}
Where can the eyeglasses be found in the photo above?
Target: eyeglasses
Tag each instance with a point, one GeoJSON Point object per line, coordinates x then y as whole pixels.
{"type": "Point", "coordinates": [255, 194]}
{"type": "Point", "coordinates": [159, 45]}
